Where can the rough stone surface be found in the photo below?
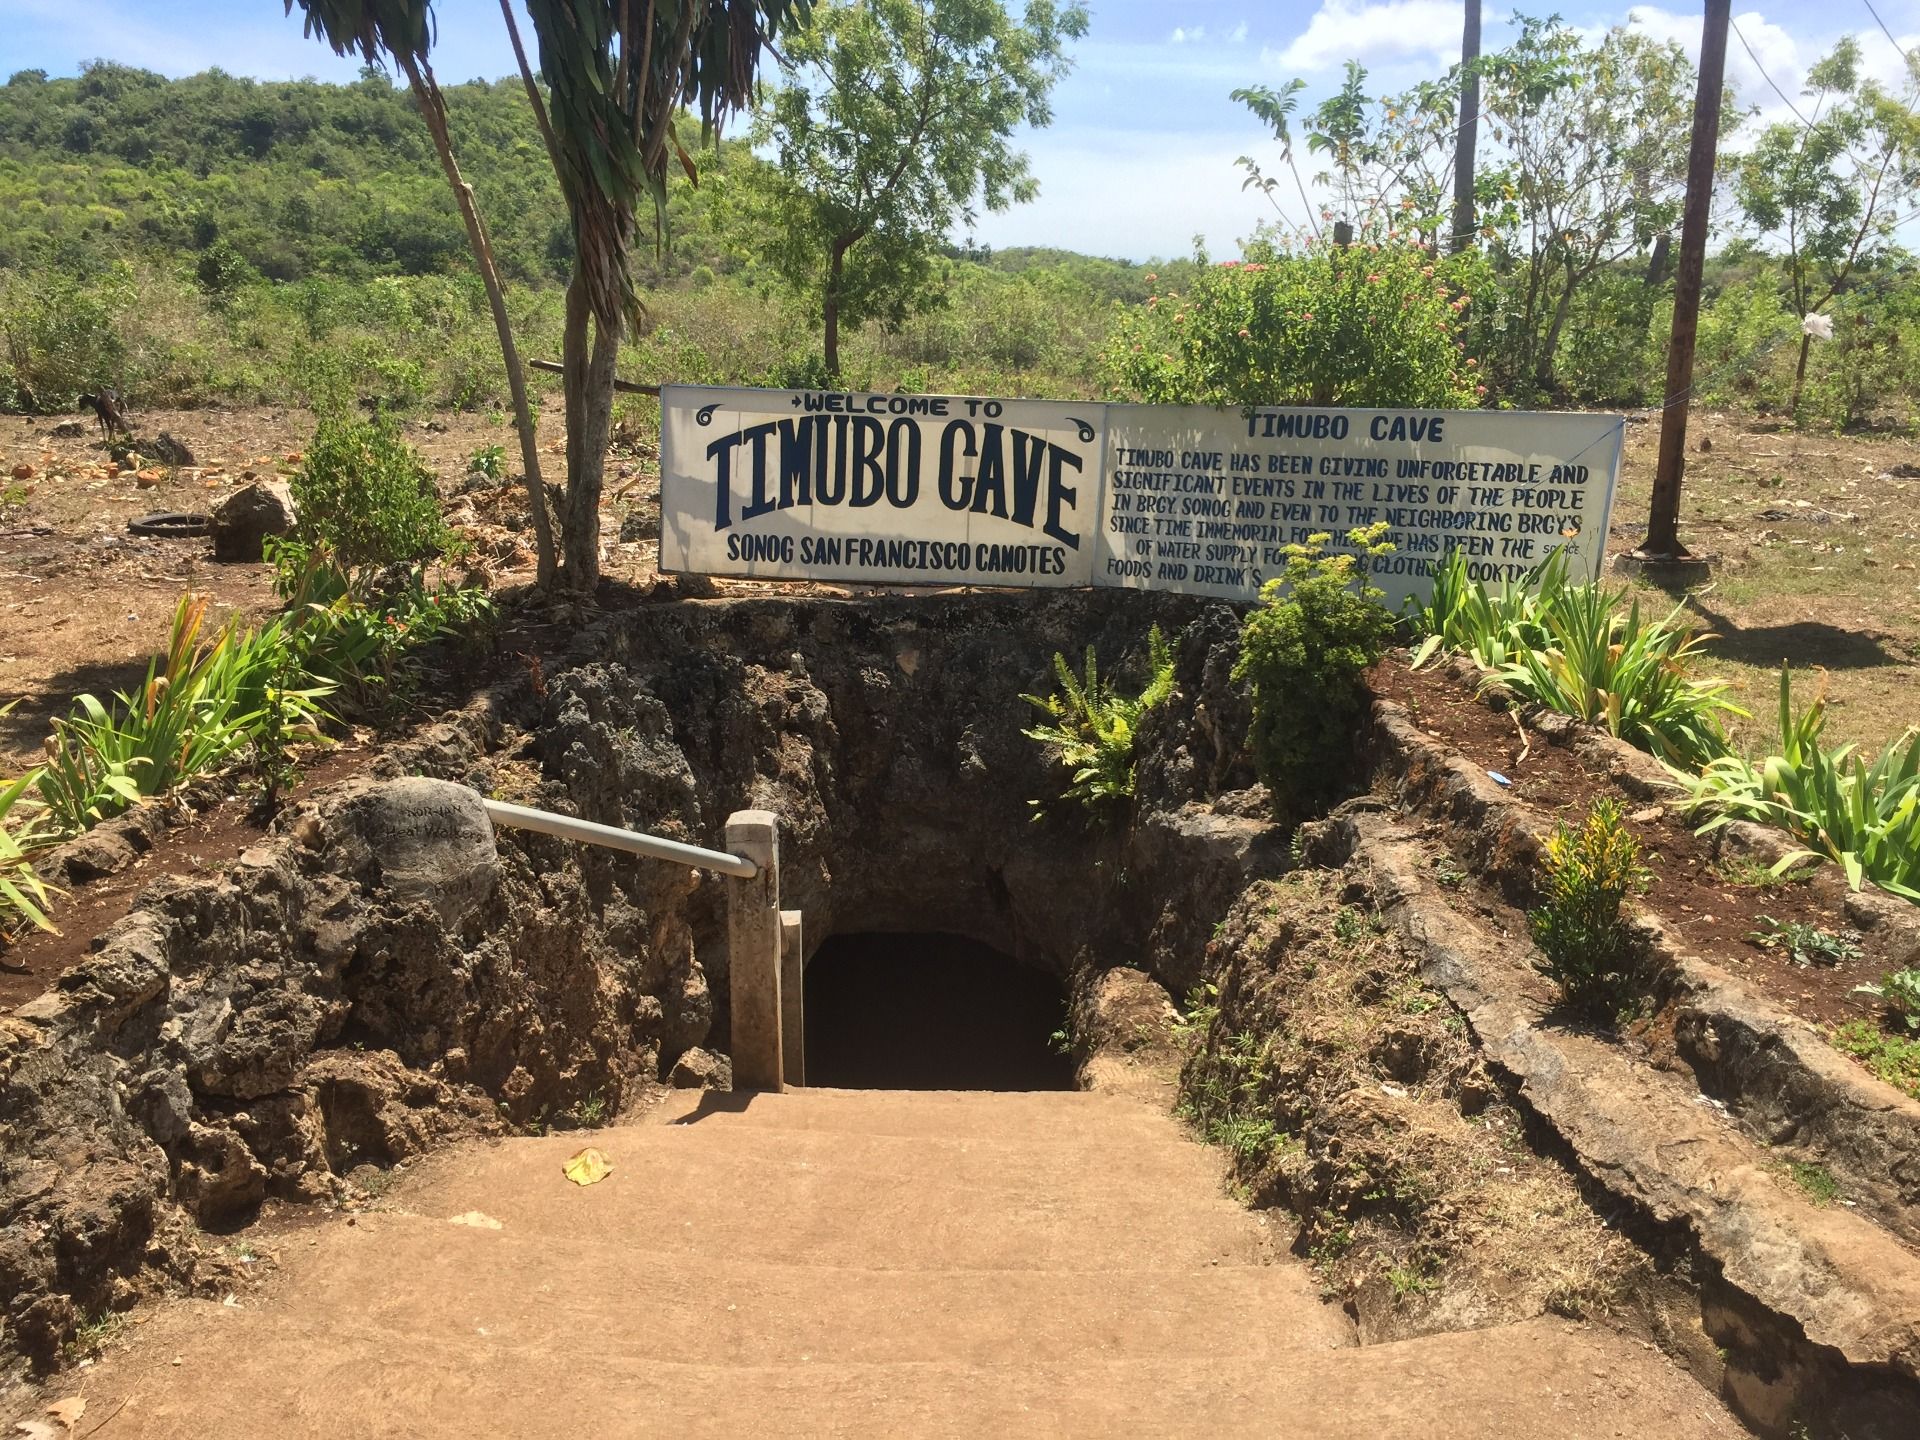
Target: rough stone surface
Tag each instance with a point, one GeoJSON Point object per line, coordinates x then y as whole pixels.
{"type": "Point", "coordinates": [247, 517]}
{"type": "Point", "coordinates": [1818, 1307]}
{"type": "Point", "coordinates": [1784, 1084]}
{"type": "Point", "coordinates": [701, 1070]}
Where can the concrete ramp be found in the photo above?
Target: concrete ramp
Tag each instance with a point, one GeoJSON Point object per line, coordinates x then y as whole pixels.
{"type": "Point", "coordinates": [848, 1263]}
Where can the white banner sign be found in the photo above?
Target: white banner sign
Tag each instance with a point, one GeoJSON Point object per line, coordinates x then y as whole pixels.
{"type": "Point", "coordinates": [939, 490]}
{"type": "Point", "coordinates": [1202, 501]}
{"type": "Point", "coordinates": [888, 489]}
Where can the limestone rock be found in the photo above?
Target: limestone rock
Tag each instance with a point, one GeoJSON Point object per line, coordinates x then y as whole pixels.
{"type": "Point", "coordinates": [247, 517]}
{"type": "Point", "coordinates": [701, 1070]}
{"type": "Point", "coordinates": [433, 842]}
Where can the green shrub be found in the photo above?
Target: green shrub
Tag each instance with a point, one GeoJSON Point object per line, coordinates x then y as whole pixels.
{"type": "Point", "coordinates": [1587, 948]}
{"type": "Point", "coordinates": [490, 461]}
{"type": "Point", "coordinates": [363, 492]}
{"type": "Point", "coordinates": [64, 335]}
{"type": "Point", "coordinates": [1091, 727]}
{"type": "Point", "coordinates": [1303, 652]}
{"type": "Point", "coordinates": [1367, 325]}
{"type": "Point", "coordinates": [1864, 818]}
{"type": "Point", "coordinates": [355, 630]}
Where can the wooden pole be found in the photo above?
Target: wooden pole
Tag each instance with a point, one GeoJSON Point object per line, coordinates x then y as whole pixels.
{"type": "Point", "coordinates": [1663, 519]}
{"type": "Point", "coordinates": [1469, 138]}
{"type": "Point", "coordinates": [753, 952]}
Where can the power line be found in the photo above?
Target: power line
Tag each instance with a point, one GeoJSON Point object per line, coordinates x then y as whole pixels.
{"type": "Point", "coordinates": [1888, 33]}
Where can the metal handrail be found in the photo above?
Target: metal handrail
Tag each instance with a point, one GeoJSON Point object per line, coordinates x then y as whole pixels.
{"type": "Point", "coordinates": [545, 822]}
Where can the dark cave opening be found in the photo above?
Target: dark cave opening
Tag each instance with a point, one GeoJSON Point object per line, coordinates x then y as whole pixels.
{"type": "Point", "coordinates": [931, 1012]}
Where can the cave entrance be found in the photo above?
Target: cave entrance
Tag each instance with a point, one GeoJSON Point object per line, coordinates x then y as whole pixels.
{"type": "Point", "coordinates": [931, 1012]}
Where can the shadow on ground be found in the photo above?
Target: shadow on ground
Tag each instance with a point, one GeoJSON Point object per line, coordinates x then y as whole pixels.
{"type": "Point", "coordinates": [1803, 643]}
{"type": "Point", "coordinates": [26, 725]}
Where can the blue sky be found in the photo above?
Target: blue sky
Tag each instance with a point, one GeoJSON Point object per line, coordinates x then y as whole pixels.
{"type": "Point", "coordinates": [1140, 156]}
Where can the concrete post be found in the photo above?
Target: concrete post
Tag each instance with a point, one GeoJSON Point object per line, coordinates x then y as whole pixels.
{"type": "Point", "coordinates": [793, 998]}
{"type": "Point", "coordinates": [753, 945]}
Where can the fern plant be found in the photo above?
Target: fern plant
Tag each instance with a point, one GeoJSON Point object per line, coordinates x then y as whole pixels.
{"type": "Point", "coordinates": [1090, 726]}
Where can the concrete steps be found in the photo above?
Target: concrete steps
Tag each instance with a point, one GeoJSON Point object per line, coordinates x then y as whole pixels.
{"type": "Point", "coordinates": [839, 1263]}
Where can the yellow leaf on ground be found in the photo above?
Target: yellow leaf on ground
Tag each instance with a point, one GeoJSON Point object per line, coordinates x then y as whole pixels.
{"type": "Point", "coordinates": [68, 1411]}
{"type": "Point", "coordinates": [589, 1167]}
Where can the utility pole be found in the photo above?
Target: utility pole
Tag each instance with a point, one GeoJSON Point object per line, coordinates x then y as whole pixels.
{"type": "Point", "coordinates": [1469, 137]}
{"type": "Point", "coordinates": [1663, 520]}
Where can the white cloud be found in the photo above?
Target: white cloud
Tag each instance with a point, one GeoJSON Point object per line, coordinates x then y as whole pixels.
{"type": "Point", "coordinates": [1343, 30]}
{"type": "Point", "coordinates": [1181, 35]}
{"type": "Point", "coordinates": [1238, 33]}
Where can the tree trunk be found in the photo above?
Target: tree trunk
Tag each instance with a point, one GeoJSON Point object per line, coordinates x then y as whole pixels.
{"type": "Point", "coordinates": [1799, 378]}
{"type": "Point", "coordinates": [586, 479]}
{"type": "Point", "coordinates": [1543, 370]}
{"type": "Point", "coordinates": [830, 309]}
{"type": "Point", "coordinates": [426, 95]}
{"type": "Point", "coordinates": [1463, 157]}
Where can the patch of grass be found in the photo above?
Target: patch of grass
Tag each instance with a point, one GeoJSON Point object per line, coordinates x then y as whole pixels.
{"type": "Point", "coordinates": [1751, 874]}
{"type": "Point", "coordinates": [94, 1334]}
{"type": "Point", "coordinates": [1335, 1239]}
{"type": "Point", "coordinates": [590, 1110]}
{"type": "Point", "coordinates": [1816, 1180]}
{"type": "Point", "coordinates": [1892, 1058]}
{"type": "Point", "coordinates": [1805, 944]}
{"type": "Point", "coordinates": [1409, 1280]}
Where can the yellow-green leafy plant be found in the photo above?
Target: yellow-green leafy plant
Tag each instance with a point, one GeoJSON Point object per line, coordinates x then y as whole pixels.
{"type": "Point", "coordinates": [1091, 726]}
{"type": "Point", "coordinates": [1587, 948]}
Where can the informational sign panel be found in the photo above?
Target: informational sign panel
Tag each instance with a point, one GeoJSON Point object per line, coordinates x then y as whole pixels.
{"type": "Point", "coordinates": [949, 490]}
{"type": "Point", "coordinates": [880, 489]}
{"type": "Point", "coordinates": [1203, 501]}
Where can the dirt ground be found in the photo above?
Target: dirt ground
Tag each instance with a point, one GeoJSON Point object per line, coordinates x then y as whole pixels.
{"type": "Point", "coordinates": [84, 604]}
{"type": "Point", "coordinates": [1716, 905]}
{"type": "Point", "coordinates": [1815, 543]}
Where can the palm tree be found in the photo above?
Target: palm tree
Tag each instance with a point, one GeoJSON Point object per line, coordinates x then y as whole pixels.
{"type": "Point", "coordinates": [617, 72]}
{"type": "Point", "coordinates": [403, 30]}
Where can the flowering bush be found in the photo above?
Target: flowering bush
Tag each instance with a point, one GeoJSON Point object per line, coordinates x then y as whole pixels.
{"type": "Point", "coordinates": [1368, 325]}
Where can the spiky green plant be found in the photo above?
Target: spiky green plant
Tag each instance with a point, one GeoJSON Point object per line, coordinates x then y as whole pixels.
{"type": "Point", "coordinates": [1462, 616]}
{"type": "Point", "coordinates": [1622, 670]}
{"type": "Point", "coordinates": [24, 896]}
{"type": "Point", "coordinates": [1091, 727]}
{"type": "Point", "coordinates": [202, 701]}
{"type": "Point", "coordinates": [1863, 817]}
